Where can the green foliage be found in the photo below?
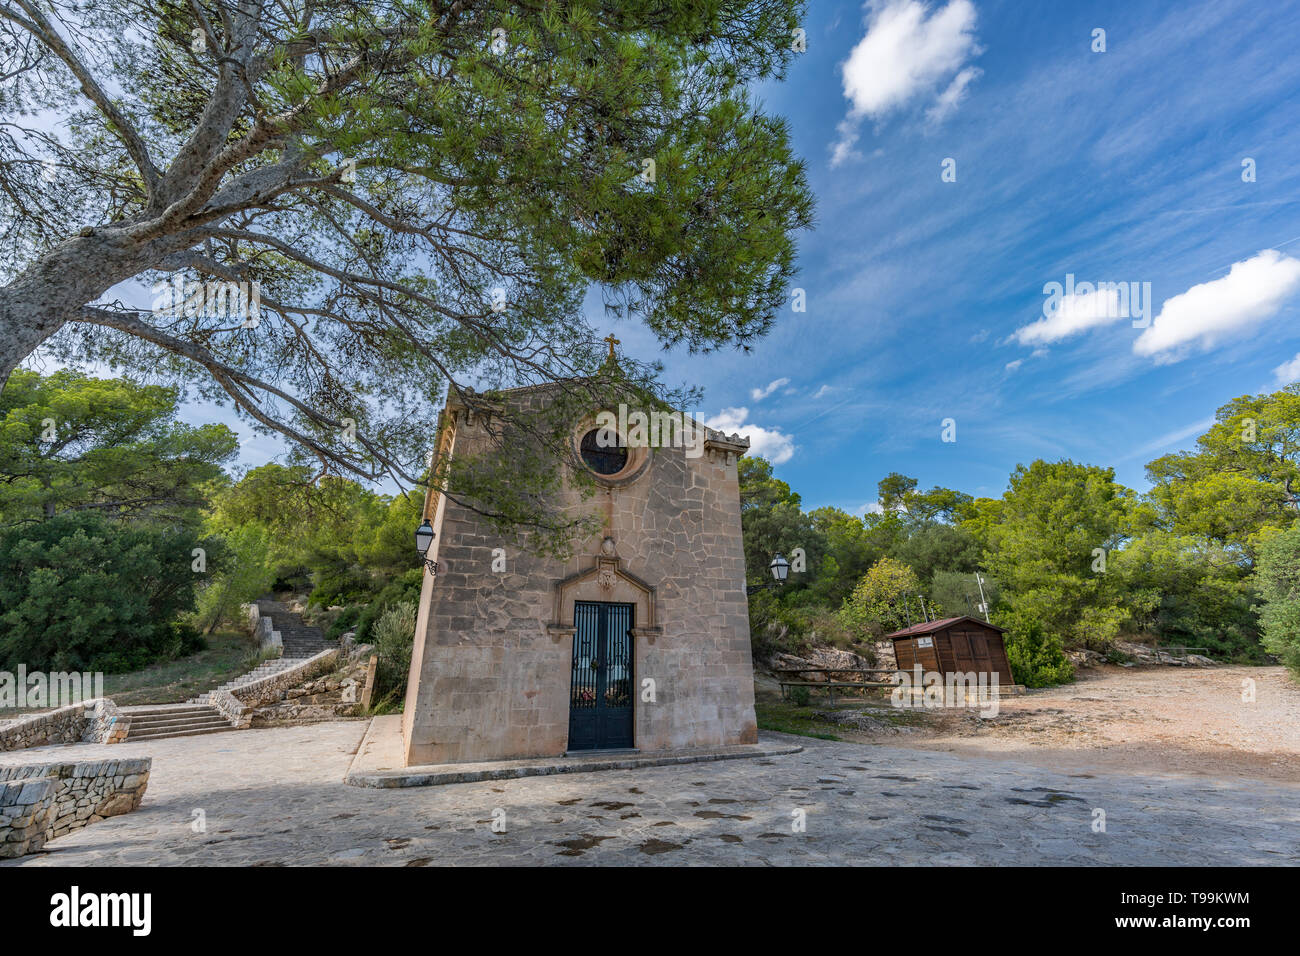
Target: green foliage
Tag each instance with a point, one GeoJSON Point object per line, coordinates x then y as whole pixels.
{"type": "Point", "coordinates": [80, 592]}
{"type": "Point", "coordinates": [773, 524]}
{"type": "Point", "coordinates": [1046, 541]}
{"type": "Point", "coordinates": [1189, 590]}
{"type": "Point", "coordinates": [878, 603]}
{"type": "Point", "coordinates": [239, 573]}
{"type": "Point", "coordinates": [393, 636]}
{"type": "Point", "coordinates": [401, 589]}
{"type": "Point", "coordinates": [956, 593]}
{"type": "Point", "coordinates": [800, 696]}
{"type": "Point", "coordinates": [1278, 577]}
{"type": "Point", "coordinates": [1243, 479]}
{"type": "Point", "coordinates": [346, 621]}
{"type": "Point", "coordinates": [69, 442]}
{"type": "Point", "coordinates": [1037, 658]}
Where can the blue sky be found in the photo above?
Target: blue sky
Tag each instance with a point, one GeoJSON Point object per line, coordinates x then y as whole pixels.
{"type": "Point", "coordinates": [1123, 165]}
{"type": "Point", "coordinates": [925, 298]}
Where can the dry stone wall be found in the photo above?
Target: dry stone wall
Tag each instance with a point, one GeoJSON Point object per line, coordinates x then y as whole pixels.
{"type": "Point", "coordinates": [95, 721]}
{"type": "Point", "coordinates": [42, 801]}
{"type": "Point", "coordinates": [239, 703]}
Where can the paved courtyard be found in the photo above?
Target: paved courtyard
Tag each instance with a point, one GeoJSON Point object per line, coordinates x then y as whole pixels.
{"type": "Point", "coordinates": [272, 797]}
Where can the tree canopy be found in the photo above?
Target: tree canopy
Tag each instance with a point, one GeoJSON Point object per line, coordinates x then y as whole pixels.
{"type": "Point", "coordinates": [69, 442]}
{"type": "Point", "coordinates": [421, 193]}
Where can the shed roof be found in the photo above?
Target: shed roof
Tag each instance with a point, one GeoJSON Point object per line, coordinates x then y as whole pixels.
{"type": "Point", "coordinates": [930, 627]}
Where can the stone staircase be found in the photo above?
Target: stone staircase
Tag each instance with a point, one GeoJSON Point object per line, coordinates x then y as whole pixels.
{"type": "Point", "coordinates": [173, 720]}
{"type": "Point", "coordinates": [300, 640]}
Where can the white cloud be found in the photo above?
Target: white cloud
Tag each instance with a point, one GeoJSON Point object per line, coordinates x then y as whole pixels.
{"type": "Point", "coordinates": [758, 394]}
{"type": "Point", "coordinates": [870, 508]}
{"type": "Point", "coordinates": [1253, 290]}
{"type": "Point", "coordinates": [1012, 366]}
{"type": "Point", "coordinates": [1288, 372]}
{"type": "Point", "coordinates": [906, 54]}
{"type": "Point", "coordinates": [1075, 313]}
{"type": "Point", "coordinates": [822, 392]}
{"type": "Point", "coordinates": [951, 98]}
{"type": "Point", "coordinates": [769, 443]}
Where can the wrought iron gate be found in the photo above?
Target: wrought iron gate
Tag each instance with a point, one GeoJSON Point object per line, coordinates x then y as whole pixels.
{"type": "Point", "coordinates": [600, 692]}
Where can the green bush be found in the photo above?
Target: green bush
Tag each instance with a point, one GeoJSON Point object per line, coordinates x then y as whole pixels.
{"type": "Point", "coordinates": [1278, 577]}
{"type": "Point", "coordinates": [393, 636]}
{"type": "Point", "coordinates": [344, 622]}
{"type": "Point", "coordinates": [1037, 659]}
{"type": "Point", "coordinates": [341, 584]}
{"type": "Point", "coordinates": [800, 696]}
{"type": "Point", "coordinates": [80, 592]}
{"type": "Point", "coordinates": [405, 587]}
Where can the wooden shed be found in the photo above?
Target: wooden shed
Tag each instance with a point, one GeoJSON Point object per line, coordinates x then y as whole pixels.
{"type": "Point", "coordinates": [953, 644]}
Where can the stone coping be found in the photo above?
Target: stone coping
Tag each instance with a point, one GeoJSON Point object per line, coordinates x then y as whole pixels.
{"type": "Point", "coordinates": [378, 761]}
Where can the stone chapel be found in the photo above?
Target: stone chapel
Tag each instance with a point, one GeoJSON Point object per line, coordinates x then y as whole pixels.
{"type": "Point", "coordinates": [639, 642]}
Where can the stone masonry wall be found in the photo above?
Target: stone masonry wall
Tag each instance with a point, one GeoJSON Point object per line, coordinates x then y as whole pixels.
{"type": "Point", "coordinates": [79, 793]}
{"type": "Point", "coordinates": [238, 703]}
{"type": "Point", "coordinates": [491, 670]}
{"type": "Point", "coordinates": [25, 816]}
{"type": "Point", "coordinates": [93, 721]}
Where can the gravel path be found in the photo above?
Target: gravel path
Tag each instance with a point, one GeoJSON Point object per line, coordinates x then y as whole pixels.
{"type": "Point", "coordinates": [1183, 720]}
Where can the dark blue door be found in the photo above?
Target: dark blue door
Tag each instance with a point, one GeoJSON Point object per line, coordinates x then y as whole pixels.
{"type": "Point", "coordinates": [600, 691]}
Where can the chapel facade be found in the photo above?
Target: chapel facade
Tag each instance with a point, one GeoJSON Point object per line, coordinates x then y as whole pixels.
{"type": "Point", "coordinates": [640, 641]}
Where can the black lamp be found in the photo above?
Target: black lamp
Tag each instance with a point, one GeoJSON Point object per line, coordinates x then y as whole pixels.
{"type": "Point", "coordinates": [424, 536]}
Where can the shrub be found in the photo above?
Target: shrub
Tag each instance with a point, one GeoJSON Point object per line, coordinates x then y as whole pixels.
{"type": "Point", "coordinates": [404, 587]}
{"type": "Point", "coordinates": [393, 636]}
{"type": "Point", "coordinates": [79, 592]}
{"type": "Point", "coordinates": [1278, 577]}
{"type": "Point", "coordinates": [1037, 659]}
{"type": "Point", "coordinates": [341, 584]}
{"type": "Point", "coordinates": [344, 622]}
{"type": "Point", "coordinates": [800, 696]}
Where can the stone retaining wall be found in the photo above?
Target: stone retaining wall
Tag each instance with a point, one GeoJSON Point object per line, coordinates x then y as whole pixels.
{"type": "Point", "coordinates": [96, 721]}
{"type": "Point", "coordinates": [25, 815]}
{"type": "Point", "coordinates": [238, 703]}
{"type": "Point", "coordinates": [42, 801]}
{"type": "Point", "coordinates": [267, 636]}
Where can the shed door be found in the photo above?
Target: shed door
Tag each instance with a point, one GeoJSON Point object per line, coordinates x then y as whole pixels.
{"type": "Point", "coordinates": [600, 688]}
{"type": "Point", "coordinates": [963, 659]}
{"type": "Point", "coordinates": [979, 649]}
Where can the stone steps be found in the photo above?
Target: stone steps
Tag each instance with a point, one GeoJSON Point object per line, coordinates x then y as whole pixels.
{"type": "Point", "coordinates": [300, 641]}
{"type": "Point", "coordinates": [160, 722]}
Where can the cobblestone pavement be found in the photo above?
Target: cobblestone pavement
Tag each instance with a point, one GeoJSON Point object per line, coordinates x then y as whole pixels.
{"type": "Point", "coordinates": [275, 796]}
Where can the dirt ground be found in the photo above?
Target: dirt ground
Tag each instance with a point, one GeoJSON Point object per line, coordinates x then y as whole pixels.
{"type": "Point", "coordinates": [1162, 719]}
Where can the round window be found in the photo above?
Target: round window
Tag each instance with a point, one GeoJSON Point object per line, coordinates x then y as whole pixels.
{"type": "Point", "coordinates": [600, 457]}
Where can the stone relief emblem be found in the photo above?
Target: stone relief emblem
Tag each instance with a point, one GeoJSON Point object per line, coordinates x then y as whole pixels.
{"type": "Point", "coordinates": [605, 578]}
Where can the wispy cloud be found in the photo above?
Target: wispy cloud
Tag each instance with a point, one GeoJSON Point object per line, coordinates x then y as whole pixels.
{"type": "Point", "coordinates": [1172, 438]}
{"type": "Point", "coordinates": [758, 394]}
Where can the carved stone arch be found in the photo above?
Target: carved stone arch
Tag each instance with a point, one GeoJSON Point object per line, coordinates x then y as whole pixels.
{"type": "Point", "coordinates": [605, 580]}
